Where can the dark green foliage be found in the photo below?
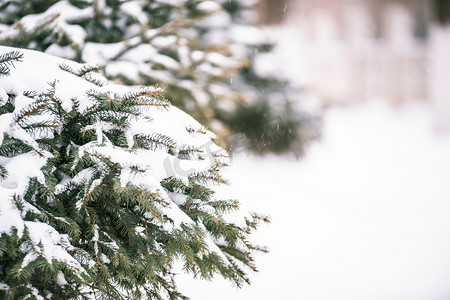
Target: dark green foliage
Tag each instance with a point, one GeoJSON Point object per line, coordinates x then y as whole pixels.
{"type": "Point", "coordinates": [38, 273]}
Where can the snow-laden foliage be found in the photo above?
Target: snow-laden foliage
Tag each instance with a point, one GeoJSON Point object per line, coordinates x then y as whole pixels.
{"type": "Point", "coordinates": [210, 55]}
{"type": "Point", "coordinates": [104, 187]}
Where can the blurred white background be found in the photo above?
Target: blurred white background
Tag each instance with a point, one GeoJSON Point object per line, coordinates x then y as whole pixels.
{"type": "Point", "coordinates": [366, 213]}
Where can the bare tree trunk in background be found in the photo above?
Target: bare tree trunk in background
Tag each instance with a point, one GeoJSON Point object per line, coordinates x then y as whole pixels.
{"type": "Point", "coordinates": [439, 64]}
{"type": "Point", "coordinates": [272, 11]}
{"type": "Point", "coordinates": [441, 10]}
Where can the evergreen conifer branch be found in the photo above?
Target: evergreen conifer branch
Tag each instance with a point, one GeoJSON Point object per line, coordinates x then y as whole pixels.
{"type": "Point", "coordinates": [3, 172]}
{"type": "Point", "coordinates": [7, 60]}
{"type": "Point", "coordinates": [143, 92]}
{"type": "Point", "coordinates": [121, 236]}
{"type": "Point", "coordinates": [153, 141]}
{"type": "Point", "coordinates": [12, 147]}
{"type": "Point", "coordinates": [84, 72]}
{"type": "Point", "coordinates": [190, 152]}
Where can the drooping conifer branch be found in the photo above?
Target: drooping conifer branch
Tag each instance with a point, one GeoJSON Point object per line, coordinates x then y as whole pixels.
{"type": "Point", "coordinates": [100, 193]}
{"type": "Point", "coordinates": [7, 60]}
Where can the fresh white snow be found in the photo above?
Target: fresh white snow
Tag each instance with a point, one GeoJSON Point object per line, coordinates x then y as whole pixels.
{"type": "Point", "coordinates": [365, 215]}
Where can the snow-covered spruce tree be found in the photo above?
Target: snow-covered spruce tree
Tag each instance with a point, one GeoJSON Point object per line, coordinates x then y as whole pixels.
{"type": "Point", "coordinates": [208, 54]}
{"type": "Point", "coordinates": [103, 188]}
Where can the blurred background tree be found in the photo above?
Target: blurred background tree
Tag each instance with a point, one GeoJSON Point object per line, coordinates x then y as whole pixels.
{"type": "Point", "coordinates": [439, 63]}
{"type": "Point", "coordinates": [442, 11]}
{"type": "Point", "coordinates": [212, 59]}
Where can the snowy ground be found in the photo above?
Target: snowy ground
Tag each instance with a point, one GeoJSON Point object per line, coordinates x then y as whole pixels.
{"type": "Point", "coordinates": [366, 215]}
